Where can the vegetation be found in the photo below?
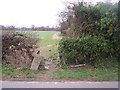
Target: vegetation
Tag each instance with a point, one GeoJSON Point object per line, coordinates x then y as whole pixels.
{"type": "Point", "coordinates": [90, 33]}
{"type": "Point", "coordinates": [48, 47]}
{"type": "Point", "coordinates": [84, 73]}
{"type": "Point", "coordinates": [83, 50]}
{"type": "Point", "coordinates": [46, 37]}
{"type": "Point", "coordinates": [87, 74]}
{"type": "Point", "coordinates": [90, 36]}
{"type": "Point", "coordinates": [32, 28]}
{"type": "Point", "coordinates": [9, 71]}
{"type": "Point", "coordinates": [48, 44]}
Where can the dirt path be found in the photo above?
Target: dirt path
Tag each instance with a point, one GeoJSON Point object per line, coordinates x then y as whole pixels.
{"type": "Point", "coordinates": [56, 36]}
{"type": "Point", "coordinates": [47, 76]}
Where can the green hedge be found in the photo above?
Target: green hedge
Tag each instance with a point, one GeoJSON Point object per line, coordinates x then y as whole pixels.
{"type": "Point", "coordinates": [86, 49]}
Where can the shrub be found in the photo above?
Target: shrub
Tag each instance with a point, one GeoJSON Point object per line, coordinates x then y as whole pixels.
{"type": "Point", "coordinates": [86, 49]}
{"type": "Point", "coordinates": [99, 20]}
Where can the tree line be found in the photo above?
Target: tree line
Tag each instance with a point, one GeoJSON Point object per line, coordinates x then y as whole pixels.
{"type": "Point", "coordinates": [33, 27]}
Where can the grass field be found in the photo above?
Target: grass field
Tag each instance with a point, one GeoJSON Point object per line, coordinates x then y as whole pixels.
{"type": "Point", "coordinates": [46, 37]}
{"type": "Point", "coordinates": [48, 44]}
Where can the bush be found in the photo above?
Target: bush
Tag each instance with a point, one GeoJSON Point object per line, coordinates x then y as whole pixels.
{"type": "Point", "coordinates": [86, 49]}
{"type": "Point", "coordinates": [99, 24]}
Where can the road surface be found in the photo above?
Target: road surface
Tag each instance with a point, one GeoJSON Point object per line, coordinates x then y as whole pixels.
{"type": "Point", "coordinates": [77, 84]}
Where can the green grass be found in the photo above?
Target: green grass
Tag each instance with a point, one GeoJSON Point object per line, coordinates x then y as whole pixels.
{"type": "Point", "coordinates": [107, 70]}
{"type": "Point", "coordinates": [48, 45]}
{"type": "Point", "coordinates": [10, 72]}
{"type": "Point", "coordinates": [46, 37]}
{"type": "Point", "coordinates": [82, 73]}
{"type": "Point", "coordinates": [87, 74]}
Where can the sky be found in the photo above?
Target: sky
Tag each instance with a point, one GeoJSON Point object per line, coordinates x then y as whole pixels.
{"type": "Point", "coordinates": [25, 13]}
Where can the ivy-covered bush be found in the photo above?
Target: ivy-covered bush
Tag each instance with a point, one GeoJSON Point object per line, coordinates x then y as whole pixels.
{"type": "Point", "coordinates": [86, 49]}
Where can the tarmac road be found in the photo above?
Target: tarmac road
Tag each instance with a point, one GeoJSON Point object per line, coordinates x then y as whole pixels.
{"type": "Point", "coordinates": [76, 84]}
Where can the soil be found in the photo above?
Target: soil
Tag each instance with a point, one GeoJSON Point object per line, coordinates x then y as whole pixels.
{"type": "Point", "coordinates": [47, 76]}
{"type": "Point", "coordinates": [56, 36]}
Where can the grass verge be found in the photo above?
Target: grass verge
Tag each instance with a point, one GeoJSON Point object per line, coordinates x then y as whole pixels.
{"type": "Point", "coordinates": [84, 73]}
{"type": "Point", "coordinates": [10, 72]}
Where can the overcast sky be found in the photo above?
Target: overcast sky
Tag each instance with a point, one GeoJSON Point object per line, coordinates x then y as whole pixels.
{"type": "Point", "coordinates": [32, 12]}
